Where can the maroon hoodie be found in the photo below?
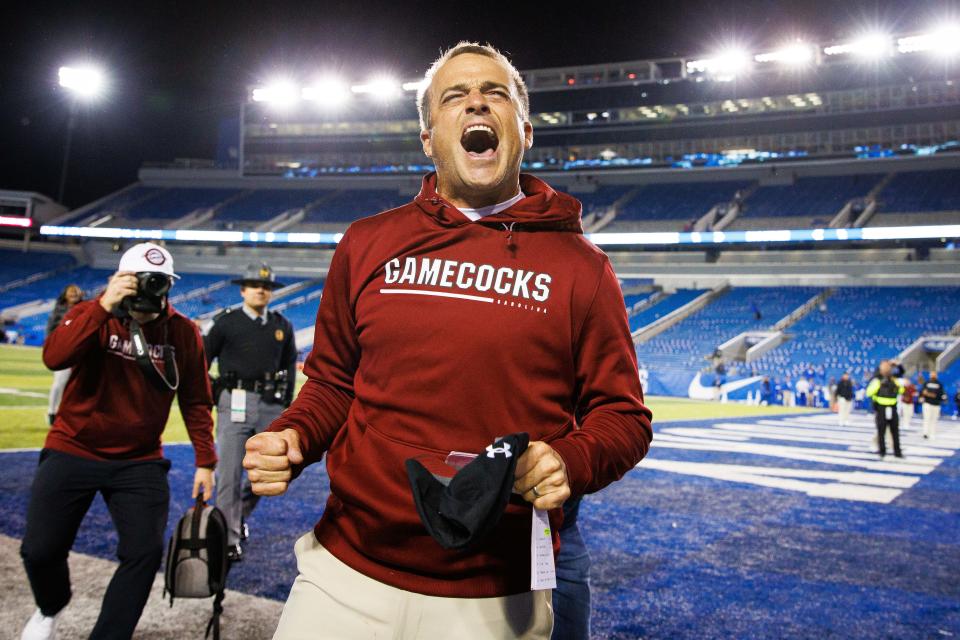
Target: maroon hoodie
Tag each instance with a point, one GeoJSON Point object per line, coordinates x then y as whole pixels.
{"type": "Point", "coordinates": [110, 411]}
{"type": "Point", "coordinates": [438, 334]}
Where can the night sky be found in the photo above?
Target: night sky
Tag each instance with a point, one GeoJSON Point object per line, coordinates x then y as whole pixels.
{"type": "Point", "coordinates": [178, 68]}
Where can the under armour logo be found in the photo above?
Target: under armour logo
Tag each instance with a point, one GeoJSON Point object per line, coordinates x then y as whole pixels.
{"type": "Point", "coordinates": [504, 448]}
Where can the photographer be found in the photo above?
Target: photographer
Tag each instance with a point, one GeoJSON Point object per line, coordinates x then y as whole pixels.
{"type": "Point", "coordinates": [257, 358]}
{"type": "Point", "coordinates": [106, 438]}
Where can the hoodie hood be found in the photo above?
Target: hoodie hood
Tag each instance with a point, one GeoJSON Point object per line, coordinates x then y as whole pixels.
{"type": "Point", "coordinates": [542, 208]}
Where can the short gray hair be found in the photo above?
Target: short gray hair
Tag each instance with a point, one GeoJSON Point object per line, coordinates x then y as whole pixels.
{"type": "Point", "coordinates": [423, 92]}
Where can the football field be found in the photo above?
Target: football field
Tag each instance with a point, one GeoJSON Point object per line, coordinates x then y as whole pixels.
{"type": "Point", "coordinates": [24, 383]}
{"type": "Point", "coordinates": [742, 522]}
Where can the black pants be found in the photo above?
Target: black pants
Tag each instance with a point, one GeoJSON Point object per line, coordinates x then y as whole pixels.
{"type": "Point", "coordinates": [138, 498]}
{"type": "Point", "coordinates": [882, 423]}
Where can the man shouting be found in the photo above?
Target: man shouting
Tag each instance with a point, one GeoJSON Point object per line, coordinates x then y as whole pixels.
{"type": "Point", "coordinates": [476, 311]}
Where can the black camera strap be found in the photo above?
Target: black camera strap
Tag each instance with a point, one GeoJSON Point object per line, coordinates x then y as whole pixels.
{"type": "Point", "coordinates": [160, 379]}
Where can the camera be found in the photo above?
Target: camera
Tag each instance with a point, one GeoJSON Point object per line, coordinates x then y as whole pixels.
{"type": "Point", "coordinates": [152, 288]}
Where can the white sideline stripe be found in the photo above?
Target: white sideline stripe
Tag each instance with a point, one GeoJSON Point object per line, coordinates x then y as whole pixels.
{"type": "Point", "coordinates": [796, 453]}
{"type": "Point", "coordinates": [441, 294]}
{"type": "Point", "coordinates": [836, 490]}
{"type": "Point", "coordinates": [881, 482]}
{"type": "Point", "coordinates": [27, 394]}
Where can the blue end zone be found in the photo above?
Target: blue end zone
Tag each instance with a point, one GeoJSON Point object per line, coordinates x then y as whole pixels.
{"type": "Point", "coordinates": [686, 556]}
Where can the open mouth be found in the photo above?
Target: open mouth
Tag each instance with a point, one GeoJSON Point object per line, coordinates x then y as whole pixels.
{"type": "Point", "coordinates": [479, 141]}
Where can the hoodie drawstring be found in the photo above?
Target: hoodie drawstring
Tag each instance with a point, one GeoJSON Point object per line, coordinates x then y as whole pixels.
{"type": "Point", "coordinates": [509, 230]}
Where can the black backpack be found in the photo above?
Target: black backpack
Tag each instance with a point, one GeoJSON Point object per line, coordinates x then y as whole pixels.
{"type": "Point", "coordinates": [197, 562]}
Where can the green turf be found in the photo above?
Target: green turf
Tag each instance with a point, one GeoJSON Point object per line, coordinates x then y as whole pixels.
{"type": "Point", "coordinates": [666, 408]}
{"type": "Point", "coordinates": [23, 419]}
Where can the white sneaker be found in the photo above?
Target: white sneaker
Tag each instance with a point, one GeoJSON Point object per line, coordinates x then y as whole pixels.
{"type": "Point", "coordinates": [40, 627]}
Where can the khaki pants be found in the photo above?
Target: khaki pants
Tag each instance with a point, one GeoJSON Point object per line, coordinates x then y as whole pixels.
{"type": "Point", "coordinates": [906, 415]}
{"type": "Point", "coordinates": [931, 414]}
{"type": "Point", "coordinates": [843, 411]}
{"type": "Point", "coordinates": [331, 600]}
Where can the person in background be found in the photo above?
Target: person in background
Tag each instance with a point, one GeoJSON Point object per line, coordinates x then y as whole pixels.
{"type": "Point", "coordinates": [803, 391]}
{"type": "Point", "coordinates": [956, 403]}
{"type": "Point", "coordinates": [788, 395]}
{"type": "Point", "coordinates": [106, 439]}
{"type": "Point", "coordinates": [884, 390]}
{"type": "Point", "coordinates": [256, 357]}
{"type": "Point", "coordinates": [844, 399]}
{"type": "Point", "coordinates": [766, 392]}
{"type": "Point", "coordinates": [906, 402]}
{"type": "Point", "coordinates": [933, 397]}
{"type": "Point", "coordinates": [71, 295]}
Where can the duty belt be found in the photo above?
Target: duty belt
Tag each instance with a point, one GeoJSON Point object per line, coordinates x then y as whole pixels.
{"type": "Point", "coordinates": [254, 384]}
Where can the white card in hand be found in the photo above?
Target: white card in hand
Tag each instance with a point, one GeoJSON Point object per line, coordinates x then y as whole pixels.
{"type": "Point", "coordinates": [543, 574]}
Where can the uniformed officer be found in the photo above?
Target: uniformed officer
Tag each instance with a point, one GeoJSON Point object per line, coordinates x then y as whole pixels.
{"type": "Point", "coordinates": [884, 390]}
{"type": "Point", "coordinates": [257, 361]}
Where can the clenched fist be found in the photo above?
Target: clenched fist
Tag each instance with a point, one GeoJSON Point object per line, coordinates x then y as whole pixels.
{"type": "Point", "coordinates": [269, 461]}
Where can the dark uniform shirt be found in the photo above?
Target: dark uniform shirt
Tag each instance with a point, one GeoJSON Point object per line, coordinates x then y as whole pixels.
{"type": "Point", "coordinates": [845, 389]}
{"type": "Point", "coordinates": [935, 389]}
{"type": "Point", "coordinates": [253, 349]}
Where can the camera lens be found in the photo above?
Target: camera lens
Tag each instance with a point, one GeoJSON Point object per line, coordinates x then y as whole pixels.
{"type": "Point", "coordinates": [155, 284]}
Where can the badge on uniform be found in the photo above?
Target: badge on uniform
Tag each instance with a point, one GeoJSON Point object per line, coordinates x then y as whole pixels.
{"type": "Point", "coordinates": [278, 334]}
{"type": "Point", "coordinates": [238, 405]}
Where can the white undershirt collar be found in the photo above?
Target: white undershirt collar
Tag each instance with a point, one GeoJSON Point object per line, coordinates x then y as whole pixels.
{"type": "Point", "coordinates": [253, 314]}
{"type": "Point", "coordinates": [483, 212]}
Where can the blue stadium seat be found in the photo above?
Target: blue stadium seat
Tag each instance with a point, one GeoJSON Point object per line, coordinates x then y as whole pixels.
{"type": "Point", "coordinates": [859, 327]}
{"type": "Point", "coordinates": [262, 204]}
{"type": "Point", "coordinates": [173, 203]}
{"type": "Point", "coordinates": [664, 306]}
{"type": "Point", "coordinates": [16, 265]}
{"type": "Point", "coordinates": [348, 206]}
{"type": "Point", "coordinates": [814, 197]}
{"type": "Point", "coordinates": [675, 356]}
{"type": "Point", "coordinates": [922, 191]}
{"type": "Point", "coordinates": [678, 201]}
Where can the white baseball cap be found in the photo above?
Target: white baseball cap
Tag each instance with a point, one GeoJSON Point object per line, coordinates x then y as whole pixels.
{"type": "Point", "coordinates": [147, 256]}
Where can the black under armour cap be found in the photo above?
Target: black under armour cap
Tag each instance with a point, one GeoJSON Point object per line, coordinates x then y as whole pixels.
{"type": "Point", "coordinates": [462, 512]}
{"type": "Point", "coordinates": [260, 274]}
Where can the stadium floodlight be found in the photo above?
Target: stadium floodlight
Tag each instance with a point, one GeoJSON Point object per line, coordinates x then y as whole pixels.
{"type": "Point", "coordinates": [725, 65]}
{"type": "Point", "coordinates": [871, 46]}
{"type": "Point", "coordinates": [943, 42]}
{"type": "Point", "coordinates": [382, 88]}
{"type": "Point", "coordinates": [281, 94]}
{"type": "Point", "coordinates": [793, 54]}
{"type": "Point", "coordinates": [327, 92]}
{"type": "Point", "coordinates": [412, 86]}
{"type": "Point", "coordinates": [86, 82]}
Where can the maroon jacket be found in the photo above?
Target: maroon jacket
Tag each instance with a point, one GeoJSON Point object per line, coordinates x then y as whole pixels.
{"type": "Point", "coordinates": [110, 411]}
{"type": "Point", "coordinates": [437, 334]}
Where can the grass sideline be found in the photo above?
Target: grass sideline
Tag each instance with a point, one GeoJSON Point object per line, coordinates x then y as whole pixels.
{"type": "Point", "coordinates": [24, 383]}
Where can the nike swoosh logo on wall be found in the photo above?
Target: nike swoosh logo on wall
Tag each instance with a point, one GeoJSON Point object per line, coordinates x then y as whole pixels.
{"type": "Point", "coordinates": [697, 391]}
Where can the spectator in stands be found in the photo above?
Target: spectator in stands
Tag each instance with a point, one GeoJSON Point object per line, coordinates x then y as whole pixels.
{"type": "Point", "coordinates": [788, 396]}
{"type": "Point", "coordinates": [956, 403]}
{"type": "Point", "coordinates": [933, 396]}
{"type": "Point", "coordinates": [71, 295]}
{"type": "Point", "coordinates": [844, 399]}
{"type": "Point", "coordinates": [766, 391]}
{"type": "Point", "coordinates": [906, 402]}
{"type": "Point", "coordinates": [257, 360]}
{"type": "Point", "coordinates": [106, 439]}
{"type": "Point", "coordinates": [884, 390]}
{"type": "Point", "coordinates": [803, 391]}
{"type": "Point", "coordinates": [394, 377]}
